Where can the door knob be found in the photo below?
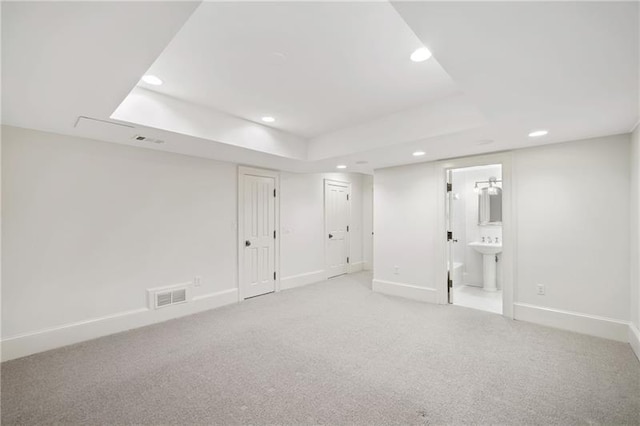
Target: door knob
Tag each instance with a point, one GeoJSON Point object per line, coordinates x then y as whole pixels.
{"type": "Point", "coordinates": [247, 243]}
{"type": "Point", "coordinates": [330, 236]}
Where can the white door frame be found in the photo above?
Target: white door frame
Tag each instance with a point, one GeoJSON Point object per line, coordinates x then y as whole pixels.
{"type": "Point", "coordinates": [326, 232]}
{"type": "Point", "coordinates": [242, 172]}
{"type": "Point", "coordinates": [508, 225]}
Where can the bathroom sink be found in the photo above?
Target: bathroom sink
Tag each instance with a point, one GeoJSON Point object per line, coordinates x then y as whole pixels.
{"type": "Point", "coordinates": [489, 259]}
{"type": "Point", "coordinates": [486, 248]}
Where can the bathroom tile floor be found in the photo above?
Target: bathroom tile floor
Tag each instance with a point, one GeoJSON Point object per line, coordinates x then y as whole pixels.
{"type": "Point", "coordinates": [475, 297]}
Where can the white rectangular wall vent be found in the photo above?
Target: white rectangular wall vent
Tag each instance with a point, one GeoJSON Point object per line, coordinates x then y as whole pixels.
{"type": "Point", "coordinates": [179, 296]}
{"type": "Point", "coordinates": [163, 299]}
{"type": "Point", "coordinates": [167, 296]}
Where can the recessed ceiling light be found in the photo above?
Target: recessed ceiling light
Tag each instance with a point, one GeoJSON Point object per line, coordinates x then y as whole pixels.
{"type": "Point", "coordinates": [538, 133]}
{"type": "Point", "coordinates": [268, 119]}
{"type": "Point", "coordinates": [419, 153]}
{"type": "Point", "coordinates": [341, 166]}
{"type": "Point", "coordinates": [420, 55]}
{"type": "Point", "coordinates": [152, 80]}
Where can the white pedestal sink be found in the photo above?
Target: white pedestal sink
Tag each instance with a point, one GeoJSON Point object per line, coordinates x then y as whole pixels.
{"type": "Point", "coordinates": [489, 252]}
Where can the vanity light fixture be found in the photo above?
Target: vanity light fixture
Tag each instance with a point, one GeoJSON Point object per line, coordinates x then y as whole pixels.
{"type": "Point", "coordinates": [538, 133]}
{"type": "Point", "coordinates": [419, 153]}
{"type": "Point", "coordinates": [491, 185]}
{"type": "Point", "coordinates": [420, 55]}
{"type": "Point", "coordinates": [341, 166]}
{"type": "Point", "coordinates": [152, 80]}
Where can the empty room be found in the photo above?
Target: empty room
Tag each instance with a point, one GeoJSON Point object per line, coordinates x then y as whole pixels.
{"type": "Point", "coordinates": [285, 213]}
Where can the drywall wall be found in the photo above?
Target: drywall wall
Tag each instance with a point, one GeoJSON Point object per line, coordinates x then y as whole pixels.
{"type": "Point", "coordinates": [405, 207]}
{"type": "Point", "coordinates": [634, 329]}
{"type": "Point", "coordinates": [367, 222]}
{"type": "Point", "coordinates": [302, 225]}
{"type": "Point", "coordinates": [571, 212]}
{"type": "Point", "coordinates": [89, 226]}
{"type": "Point", "coordinates": [572, 226]}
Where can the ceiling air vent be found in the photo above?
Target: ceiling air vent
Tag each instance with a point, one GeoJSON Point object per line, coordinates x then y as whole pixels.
{"type": "Point", "coordinates": [142, 138]}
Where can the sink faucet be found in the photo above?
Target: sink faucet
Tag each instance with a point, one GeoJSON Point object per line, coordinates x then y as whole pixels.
{"type": "Point", "coordinates": [483, 239]}
{"type": "Point", "coordinates": [497, 241]}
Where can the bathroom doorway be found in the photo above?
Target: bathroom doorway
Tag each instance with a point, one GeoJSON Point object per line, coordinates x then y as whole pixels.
{"type": "Point", "coordinates": [474, 218]}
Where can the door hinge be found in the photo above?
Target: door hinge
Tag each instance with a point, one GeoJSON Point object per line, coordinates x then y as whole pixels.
{"type": "Point", "coordinates": [347, 197]}
{"type": "Point", "coordinates": [274, 192]}
{"type": "Point", "coordinates": [347, 260]}
{"type": "Point", "coordinates": [274, 235]}
{"type": "Point", "coordinates": [274, 276]}
{"type": "Point", "coordinates": [449, 235]}
{"type": "Point", "coordinates": [347, 228]}
{"type": "Point", "coordinates": [449, 187]}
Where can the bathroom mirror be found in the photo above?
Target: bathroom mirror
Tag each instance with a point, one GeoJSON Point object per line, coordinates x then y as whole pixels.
{"type": "Point", "coordinates": [490, 206]}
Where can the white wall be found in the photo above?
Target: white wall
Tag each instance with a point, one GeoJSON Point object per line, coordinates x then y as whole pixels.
{"type": "Point", "coordinates": [572, 226]}
{"type": "Point", "coordinates": [367, 222]}
{"type": "Point", "coordinates": [634, 333]}
{"type": "Point", "coordinates": [302, 225]}
{"type": "Point", "coordinates": [405, 207]}
{"type": "Point", "coordinates": [571, 212]}
{"type": "Point", "coordinates": [88, 226]}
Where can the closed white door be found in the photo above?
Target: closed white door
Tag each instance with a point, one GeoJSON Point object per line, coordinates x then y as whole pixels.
{"type": "Point", "coordinates": [336, 202]}
{"type": "Point", "coordinates": [259, 224]}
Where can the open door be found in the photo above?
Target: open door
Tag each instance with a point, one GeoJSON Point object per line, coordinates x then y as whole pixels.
{"type": "Point", "coordinates": [450, 240]}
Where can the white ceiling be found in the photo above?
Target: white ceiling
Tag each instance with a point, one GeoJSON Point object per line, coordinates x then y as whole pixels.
{"type": "Point", "coordinates": [570, 67]}
{"type": "Point", "coordinates": [343, 90]}
{"type": "Point", "coordinates": [315, 67]}
{"type": "Point", "coordinates": [61, 60]}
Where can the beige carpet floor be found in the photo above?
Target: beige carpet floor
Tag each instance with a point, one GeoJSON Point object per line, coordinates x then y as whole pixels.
{"type": "Point", "coordinates": [329, 353]}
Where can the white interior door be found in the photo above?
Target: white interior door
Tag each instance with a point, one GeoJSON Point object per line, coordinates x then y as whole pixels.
{"type": "Point", "coordinates": [259, 224]}
{"type": "Point", "coordinates": [450, 237]}
{"type": "Point", "coordinates": [336, 204]}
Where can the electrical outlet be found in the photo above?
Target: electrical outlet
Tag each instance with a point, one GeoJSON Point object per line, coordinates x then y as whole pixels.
{"type": "Point", "coordinates": [197, 281]}
{"type": "Point", "coordinates": [540, 288]}
{"type": "Point", "coordinates": [396, 270]}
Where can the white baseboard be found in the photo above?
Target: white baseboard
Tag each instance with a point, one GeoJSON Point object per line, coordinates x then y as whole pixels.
{"type": "Point", "coordinates": [408, 291]}
{"type": "Point", "coordinates": [634, 339]}
{"type": "Point", "coordinates": [367, 266]}
{"type": "Point", "coordinates": [299, 280]}
{"type": "Point", "coordinates": [56, 337]}
{"type": "Point", "coordinates": [593, 325]}
{"type": "Point", "coordinates": [356, 267]}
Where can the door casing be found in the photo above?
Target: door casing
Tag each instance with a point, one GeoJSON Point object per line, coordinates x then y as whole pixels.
{"type": "Point", "coordinates": [326, 231]}
{"type": "Point", "coordinates": [242, 172]}
{"type": "Point", "coordinates": [508, 225]}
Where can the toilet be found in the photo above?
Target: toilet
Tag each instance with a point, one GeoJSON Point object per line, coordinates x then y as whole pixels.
{"type": "Point", "coordinates": [457, 273]}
